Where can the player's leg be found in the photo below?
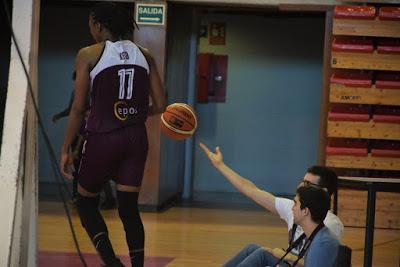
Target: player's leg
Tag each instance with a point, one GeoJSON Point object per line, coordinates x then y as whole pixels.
{"type": "Point", "coordinates": [134, 231]}
{"type": "Point", "coordinates": [95, 226]}
{"type": "Point", "coordinates": [97, 163]}
{"type": "Point", "coordinates": [129, 179]}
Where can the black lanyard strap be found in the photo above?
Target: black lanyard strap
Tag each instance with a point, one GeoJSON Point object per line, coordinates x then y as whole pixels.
{"type": "Point", "coordinates": [294, 244]}
{"type": "Point", "coordinates": [292, 233]}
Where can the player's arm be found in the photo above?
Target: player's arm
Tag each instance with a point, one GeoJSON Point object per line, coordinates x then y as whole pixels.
{"type": "Point", "coordinates": [78, 109]}
{"type": "Point", "coordinates": [157, 94]}
{"type": "Point", "coordinates": [248, 188]}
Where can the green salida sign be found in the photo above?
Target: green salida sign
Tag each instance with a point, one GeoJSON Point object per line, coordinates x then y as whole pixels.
{"type": "Point", "coordinates": [150, 14]}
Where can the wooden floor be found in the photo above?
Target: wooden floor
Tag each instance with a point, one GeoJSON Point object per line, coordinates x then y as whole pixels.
{"type": "Point", "coordinates": [201, 236]}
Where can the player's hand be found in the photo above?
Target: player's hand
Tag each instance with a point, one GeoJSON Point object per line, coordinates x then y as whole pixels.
{"type": "Point", "coordinates": [66, 165]}
{"type": "Point", "coordinates": [215, 158]}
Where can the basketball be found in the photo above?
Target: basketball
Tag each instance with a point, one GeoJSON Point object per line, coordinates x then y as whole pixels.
{"type": "Point", "coordinates": [179, 121]}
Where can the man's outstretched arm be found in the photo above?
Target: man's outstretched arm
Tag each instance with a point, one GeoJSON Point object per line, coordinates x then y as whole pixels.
{"type": "Point", "coordinates": [248, 188]}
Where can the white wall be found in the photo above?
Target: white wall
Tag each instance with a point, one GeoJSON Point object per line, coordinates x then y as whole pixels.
{"type": "Point", "coordinates": [17, 162]}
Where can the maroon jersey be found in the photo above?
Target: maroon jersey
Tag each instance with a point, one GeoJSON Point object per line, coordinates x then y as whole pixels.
{"type": "Point", "coordinates": [119, 94]}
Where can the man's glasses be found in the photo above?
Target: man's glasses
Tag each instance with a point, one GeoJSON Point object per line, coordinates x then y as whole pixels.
{"type": "Point", "coordinates": [308, 183]}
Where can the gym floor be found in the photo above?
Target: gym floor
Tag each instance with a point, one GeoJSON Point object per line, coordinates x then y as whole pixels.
{"type": "Point", "coordinates": [194, 235]}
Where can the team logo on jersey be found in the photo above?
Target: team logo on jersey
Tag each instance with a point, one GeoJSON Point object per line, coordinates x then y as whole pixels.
{"type": "Point", "coordinates": [124, 55]}
{"type": "Point", "coordinates": [122, 110]}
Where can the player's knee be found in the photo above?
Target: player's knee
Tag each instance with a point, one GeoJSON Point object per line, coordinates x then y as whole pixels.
{"type": "Point", "coordinates": [91, 218]}
{"type": "Point", "coordinates": [82, 191]}
{"type": "Point", "coordinates": [129, 213]}
{"type": "Point", "coordinates": [128, 205]}
{"type": "Point", "coordinates": [86, 204]}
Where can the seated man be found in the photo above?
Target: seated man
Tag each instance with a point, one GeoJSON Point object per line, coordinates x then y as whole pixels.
{"type": "Point", "coordinates": [316, 176]}
{"type": "Point", "coordinates": [321, 246]}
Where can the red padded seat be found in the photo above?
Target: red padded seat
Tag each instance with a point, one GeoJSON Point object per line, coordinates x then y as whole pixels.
{"type": "Point", "coordinates": [354, 12]}
{"type": "Point", "coordinates": [387, 80]}
{"type": "Point", "coordinates": [387, 114]}
{"type": "Point", "coordinates": [352, 78]}
{"type": "Point", "coordinates": [345, 112]}
{"type": "Point", "coordinates": [385, 149]}
{"type": "Point", "coordinates": [347, 147]}
{"type": "Point", "coordinates": [389, 46]}
{"type": "Point", "coordinates": [353, 44]}
{"type": "Point", "coordinates": [389, 13]}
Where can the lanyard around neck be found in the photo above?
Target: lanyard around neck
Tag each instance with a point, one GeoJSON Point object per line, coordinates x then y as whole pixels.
{"type": "Point", "coordinates": [294, 244]}
{"type": "Point", "coordinates": [292, 234]}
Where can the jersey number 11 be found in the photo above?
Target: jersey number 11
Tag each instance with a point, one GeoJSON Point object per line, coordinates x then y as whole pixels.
{"type": "Point", "coordinates": [126, 87]}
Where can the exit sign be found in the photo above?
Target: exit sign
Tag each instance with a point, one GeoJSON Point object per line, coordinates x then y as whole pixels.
{"type": "Point", "coordinates": [150, 14]}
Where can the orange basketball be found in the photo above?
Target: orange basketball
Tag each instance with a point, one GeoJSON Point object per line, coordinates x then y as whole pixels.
{"type": "Point", "coordinates": [179, 121]}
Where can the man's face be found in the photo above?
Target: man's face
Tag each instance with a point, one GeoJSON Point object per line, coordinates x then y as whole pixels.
{"type": "Point", "coordinates": [297, 212]}
{"type": "Point", "coordinates": [309, 179]}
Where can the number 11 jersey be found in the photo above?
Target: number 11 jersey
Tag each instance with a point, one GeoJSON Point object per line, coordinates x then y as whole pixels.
{"type": "Point", "coordinates": [119, 94]}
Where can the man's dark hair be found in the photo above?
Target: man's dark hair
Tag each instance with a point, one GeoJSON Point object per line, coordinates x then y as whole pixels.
{"type": "Point", "coordinates": [115, 18]}
{"type": "Point", "coordinates": [327, 177]}
{"type": "Point", "coordinates": [316, 200]}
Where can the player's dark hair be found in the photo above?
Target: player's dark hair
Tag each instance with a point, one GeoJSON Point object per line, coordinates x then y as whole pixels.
{"type": "Point", "coordinates": [327, 177]}
{"type": "Point", "coordinates": [316, 200]}
{"type": "Point", "coordinates": [115, 18]}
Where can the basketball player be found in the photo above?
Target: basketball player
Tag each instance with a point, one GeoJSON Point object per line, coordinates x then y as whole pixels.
{"type": "Point", "coordinates": [316, 176]}
{"type": "Point", "coordinates": [120, 76]}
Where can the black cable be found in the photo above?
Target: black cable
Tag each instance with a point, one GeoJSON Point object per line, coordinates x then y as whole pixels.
{"type": "Point", "coordinates": [54, 164]}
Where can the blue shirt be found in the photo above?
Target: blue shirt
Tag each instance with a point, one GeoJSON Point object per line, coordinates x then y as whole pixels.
{"type": "Point", "coordinates": [323, 250]}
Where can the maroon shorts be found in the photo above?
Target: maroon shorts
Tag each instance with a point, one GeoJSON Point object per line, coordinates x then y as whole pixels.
{"type": "Point", "coordinates": [119, 155]}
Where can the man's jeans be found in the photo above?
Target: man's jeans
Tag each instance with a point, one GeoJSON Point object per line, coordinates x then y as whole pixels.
{"type": "Point", "coordinates": [253, 256]}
